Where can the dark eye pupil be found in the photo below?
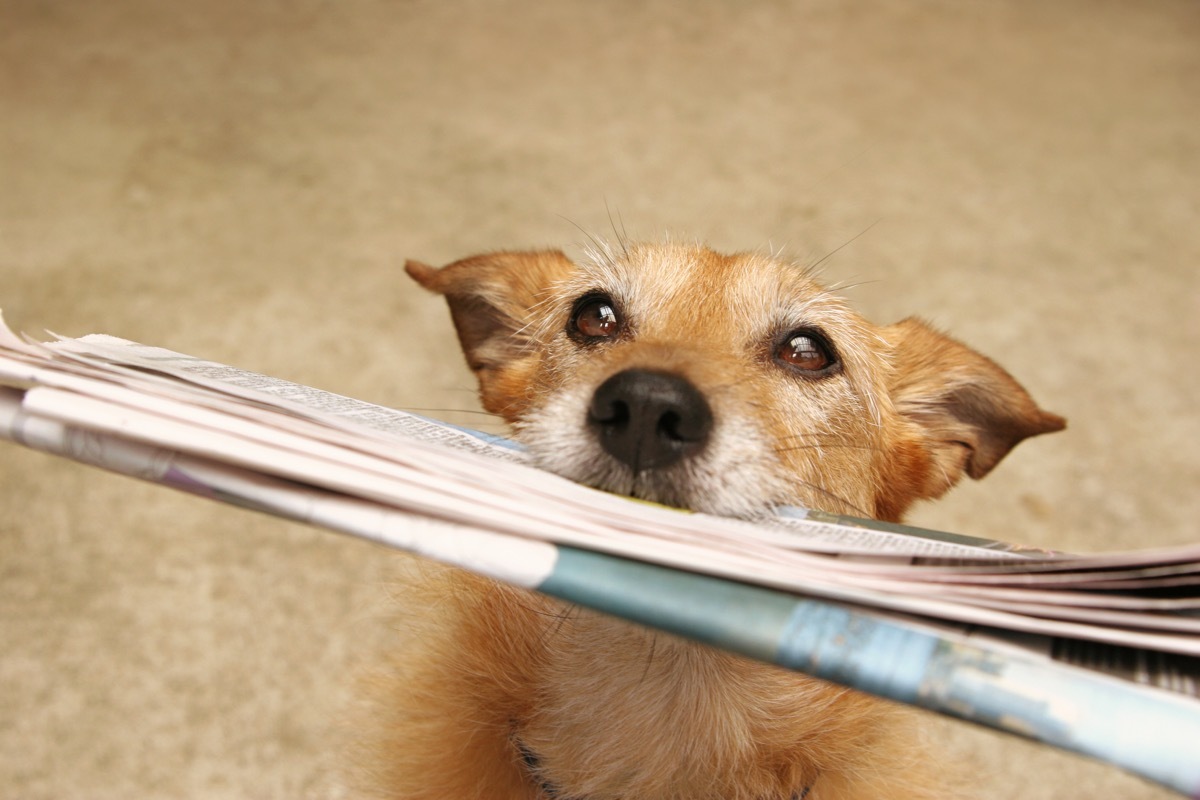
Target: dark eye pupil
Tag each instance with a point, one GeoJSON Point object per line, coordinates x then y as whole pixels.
{"type": "Point", "coordinates": [597, 319]}
{"type": "Point", "coordinates": [804, 352]}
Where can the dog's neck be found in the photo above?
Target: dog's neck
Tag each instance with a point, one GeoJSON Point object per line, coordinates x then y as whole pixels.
{"type": "Point", "coordinates": [625, 702]}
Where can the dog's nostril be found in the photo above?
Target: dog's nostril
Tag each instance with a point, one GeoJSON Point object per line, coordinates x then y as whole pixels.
{"type": "Point", "coordinates": [649, 420]}
{"type": "Point", "coordinates": [668, 426]}
{"type": "Point", "coordinates": [612, 412]}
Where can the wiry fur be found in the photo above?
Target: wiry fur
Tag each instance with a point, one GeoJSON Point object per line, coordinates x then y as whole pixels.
{"type": "Point", "coordinates": [510, 695]}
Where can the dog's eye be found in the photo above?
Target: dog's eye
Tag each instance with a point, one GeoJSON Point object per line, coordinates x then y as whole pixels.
{"type": "Point", "coordinates": [807, 351]}
{"type": "Point", "coordinates": [595, 317]}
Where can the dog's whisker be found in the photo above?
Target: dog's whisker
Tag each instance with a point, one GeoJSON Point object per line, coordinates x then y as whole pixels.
{"type": "Point", "coordinates": [815, 267]}
{"type": "Point", "coordinates": [836, 498]}
{"type": "Point", "coordinates": [591, 237]}
{"type": "Point", "coordinates": [816, 443]}
{"type": "Point", "coordinates": [823, 447]}
{"type": "Point", "coordinates": [622, 237]}
{"type": "Point", "coordinates": [845, 286]}
{"type": "Point", "coordinates": [809, 434]}
{"type": "Point", "coordinates": [474, 411]}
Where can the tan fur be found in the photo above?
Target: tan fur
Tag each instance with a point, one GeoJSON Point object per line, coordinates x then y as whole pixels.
{"type": "Point", "coordinates": [616, 712]}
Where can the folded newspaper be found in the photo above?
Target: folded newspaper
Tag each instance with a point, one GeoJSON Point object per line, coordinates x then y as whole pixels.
{"type": "Point", "coordinates": [1099, 654]}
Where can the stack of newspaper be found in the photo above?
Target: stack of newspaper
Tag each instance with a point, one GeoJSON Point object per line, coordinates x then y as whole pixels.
{"type": "Point", "coordinates": [1098, 654]}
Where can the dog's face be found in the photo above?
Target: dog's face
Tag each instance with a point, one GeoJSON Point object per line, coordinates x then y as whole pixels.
{"type": "Point", "coordinates": [726, 384]}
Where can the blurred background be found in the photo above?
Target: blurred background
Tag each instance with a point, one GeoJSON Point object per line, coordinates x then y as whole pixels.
{"type": "Point", "coordinates": [243, 180]}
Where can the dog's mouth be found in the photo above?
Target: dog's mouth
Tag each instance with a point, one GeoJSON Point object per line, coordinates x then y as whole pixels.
{"type": "Point", "coordinates": [652, 435]}
{"type": "Point", "coordinates": [653, 428]}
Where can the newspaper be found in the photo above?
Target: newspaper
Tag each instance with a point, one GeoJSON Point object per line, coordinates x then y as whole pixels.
{"type": "Point", "coordinates": [1098, 654]}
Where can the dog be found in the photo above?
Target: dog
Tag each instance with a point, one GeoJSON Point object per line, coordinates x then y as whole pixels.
{"type": "Point", "coordinates": [728, 384]}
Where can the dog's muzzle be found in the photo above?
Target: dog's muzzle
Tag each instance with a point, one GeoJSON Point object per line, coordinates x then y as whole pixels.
{"type": "Point", "coordinates": [649, 420]}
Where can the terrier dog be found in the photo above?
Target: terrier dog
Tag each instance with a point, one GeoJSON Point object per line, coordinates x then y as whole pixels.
{"type": "Point", "coordinates": [728, 384]}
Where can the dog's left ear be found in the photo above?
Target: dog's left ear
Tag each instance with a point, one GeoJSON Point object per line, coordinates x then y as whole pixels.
{"type": "Point", "coordinates": [970, 412]}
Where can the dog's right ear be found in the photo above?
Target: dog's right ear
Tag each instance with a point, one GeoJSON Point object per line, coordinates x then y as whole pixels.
{"type": "Point", "coordinates": [491, 297]}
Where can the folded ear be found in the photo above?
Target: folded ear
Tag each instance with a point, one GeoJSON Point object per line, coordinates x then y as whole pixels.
{"type": "Point", "coordinates": [969, 411]}
{"type": "Point", "coordinates": [491, 297]}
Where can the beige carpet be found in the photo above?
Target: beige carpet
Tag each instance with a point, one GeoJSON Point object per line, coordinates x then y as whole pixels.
{"type": "Point", "coordinates": [242, 181]}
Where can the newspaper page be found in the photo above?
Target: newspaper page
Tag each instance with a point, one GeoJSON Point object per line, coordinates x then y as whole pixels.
{"type": "Point", "coordinates": [447, 473]}
{"type": "Point", "coordinates": [1074, 651]}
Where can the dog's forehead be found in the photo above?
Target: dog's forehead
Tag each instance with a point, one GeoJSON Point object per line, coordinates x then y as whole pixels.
{"type": "Point", "coordinates": [673, 286]}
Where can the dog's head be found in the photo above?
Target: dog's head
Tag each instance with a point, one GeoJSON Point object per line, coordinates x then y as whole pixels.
{"type": "Point", "coordinates": [725, 383]}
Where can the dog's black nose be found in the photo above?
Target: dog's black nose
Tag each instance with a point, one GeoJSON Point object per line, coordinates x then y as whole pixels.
{"type": "Point", "coordinates": [648, 420]}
